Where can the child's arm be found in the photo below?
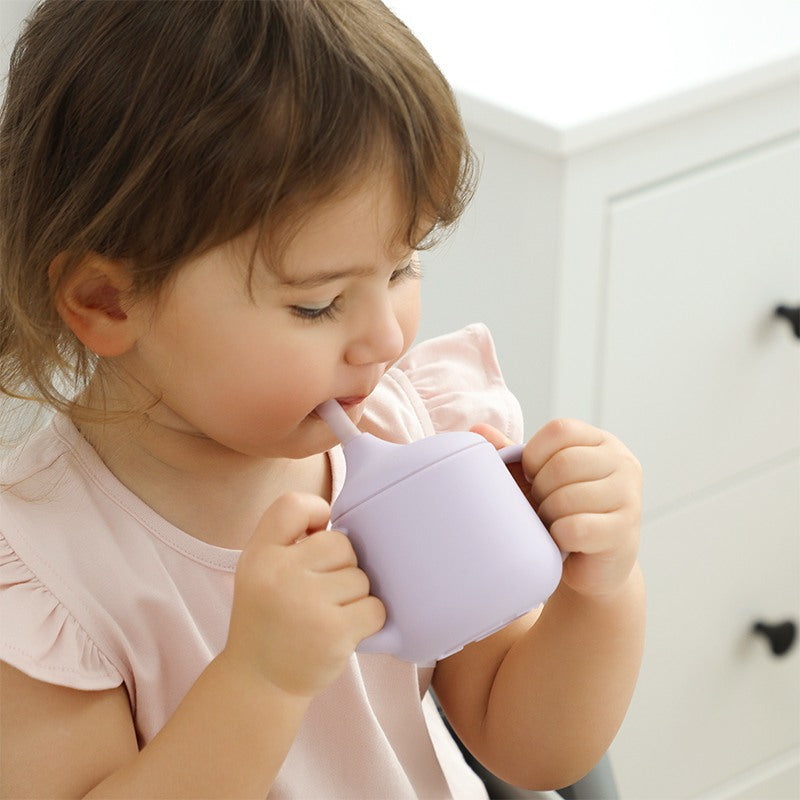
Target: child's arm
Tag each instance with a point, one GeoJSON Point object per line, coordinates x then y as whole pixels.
{"type": "Point", "coordinates": [230, 734]}
{"type": "Point", "coordinates": [539, 703]}
{"type": "Point", "coordinates": [60, 742]}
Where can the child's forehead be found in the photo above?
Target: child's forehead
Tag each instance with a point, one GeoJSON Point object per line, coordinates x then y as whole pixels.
{"type": "Point", "coordinates": [301, 256]}
{"type": "Point", "coordinates": [372, 221]}
{"type": "Point", "coordinates": [306, 265]}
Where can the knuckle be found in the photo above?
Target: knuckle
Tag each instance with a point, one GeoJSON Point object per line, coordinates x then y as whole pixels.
{"type": "Point", "coordinates": [631, 465]}
{"type": "Point", "coordinates": [296, 501]}
{"type": "Point", "coordinates": [574, 532]}
{"type": "Point", "coordinates": [339, 539]}
{"type": "Point", "coordinates": [362, 584]}
{"type": "Point", "coordinates": [624, 452]}
{"type": "Point", "coordinates": [377, 612]}
{"type": "Point", "coordinates": [380, 613]}
{"type": "Point", "coordinates": [556, 427]}
{"type": "Point", "coordinates": [288, 504]}
{"type": "Point", "coordinates": [561, 467]}
{"type": "Point", "coordinates": [563, 426]}
{"type": "Point", "coordinates": [341, 546]}
{"type": "Point", "coordinates": [355, 584]}
{"type": "Point", "coordinates": [557, 504]}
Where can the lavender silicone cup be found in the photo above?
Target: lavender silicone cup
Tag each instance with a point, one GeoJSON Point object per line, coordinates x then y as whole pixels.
{"type": "Point", "coordinates": [449, 542]}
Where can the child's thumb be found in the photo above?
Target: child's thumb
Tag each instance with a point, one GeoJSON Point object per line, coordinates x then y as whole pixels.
{"type": "Point", "coordinates": [495, 437]}
{"type": "Point", "coordinates": [291, 517]}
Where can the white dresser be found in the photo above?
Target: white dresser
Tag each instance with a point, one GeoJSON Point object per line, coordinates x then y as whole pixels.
{"type": "Point", "coordinates": [636, 225]}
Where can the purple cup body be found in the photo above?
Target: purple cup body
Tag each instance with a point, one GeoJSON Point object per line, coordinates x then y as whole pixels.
{"type": "Point", "coordinates": [450, 543]}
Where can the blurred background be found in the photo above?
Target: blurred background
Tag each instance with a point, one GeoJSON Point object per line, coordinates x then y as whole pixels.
{"type": "Point", "coordinates": [634, 246]}
{"type": "Point", "coordinates": [636, 226]}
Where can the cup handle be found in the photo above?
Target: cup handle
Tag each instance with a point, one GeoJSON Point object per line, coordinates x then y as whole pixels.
{"type": "Point", "coordinates": [513, 455]}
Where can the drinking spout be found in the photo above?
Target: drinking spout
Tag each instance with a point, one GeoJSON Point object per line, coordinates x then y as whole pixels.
{"type": "Point", "coordinates": [337, 420]}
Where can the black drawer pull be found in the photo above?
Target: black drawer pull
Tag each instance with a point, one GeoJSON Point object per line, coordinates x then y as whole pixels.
{"type": "Point", "coordinates": [781, 636]}
{"type": "Point", "coordinates": [793, 315]}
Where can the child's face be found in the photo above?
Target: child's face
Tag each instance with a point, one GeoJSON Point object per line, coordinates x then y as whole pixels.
{"type": "Point", "coordinates": [247, 372]}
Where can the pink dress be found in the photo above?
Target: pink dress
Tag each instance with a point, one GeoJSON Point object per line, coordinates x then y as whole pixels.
{"type": "Point", "coordinates": [97, 590]}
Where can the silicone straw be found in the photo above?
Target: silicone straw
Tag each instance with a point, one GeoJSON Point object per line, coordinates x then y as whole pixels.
{"type": "Point", "coordinates": [337, 420]}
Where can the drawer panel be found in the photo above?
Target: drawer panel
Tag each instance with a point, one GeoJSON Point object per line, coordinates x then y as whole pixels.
{"type": "Point", "coordinates": [697, 375]}
{"type": "Point", "coordinates": [784, 785]}
{"type": "Point", "coordinates": [712, 701]}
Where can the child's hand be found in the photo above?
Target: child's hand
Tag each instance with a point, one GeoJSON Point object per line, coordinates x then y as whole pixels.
{"type": "Point", "coordinates": [586, 488]}
{"type": "Point", "coordinates": [300, 603]}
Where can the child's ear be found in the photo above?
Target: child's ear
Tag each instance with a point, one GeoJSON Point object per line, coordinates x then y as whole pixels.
{"type": "Point", "coordinates": [91, 301]}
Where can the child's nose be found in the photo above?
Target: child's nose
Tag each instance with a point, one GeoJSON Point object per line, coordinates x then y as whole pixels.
{"type": "Point", "coordinates": [379, 338]}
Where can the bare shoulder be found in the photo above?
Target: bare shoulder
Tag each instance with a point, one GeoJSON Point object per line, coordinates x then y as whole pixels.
{"type": "Point", "coordinates": [59, 742]}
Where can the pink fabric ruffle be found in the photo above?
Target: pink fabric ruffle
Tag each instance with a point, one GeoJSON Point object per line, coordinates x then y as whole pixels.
{"type": "Point", "coordinates": [41, 638]}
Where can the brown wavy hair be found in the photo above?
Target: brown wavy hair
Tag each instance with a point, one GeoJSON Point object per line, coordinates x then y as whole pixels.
{"type": "Point", "coordinates": [151, 130]}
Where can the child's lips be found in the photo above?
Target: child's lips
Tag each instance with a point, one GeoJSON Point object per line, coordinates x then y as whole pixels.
{"type": "Point", "coordinates": [349, 402]}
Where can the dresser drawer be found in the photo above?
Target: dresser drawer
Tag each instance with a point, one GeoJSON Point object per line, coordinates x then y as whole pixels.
{"type": "Point", "coordinates": [776, 780]}
{"type": "Point", "coordinates": [712, 700]}
{"type": "Point", "coordinates": [698, 376]}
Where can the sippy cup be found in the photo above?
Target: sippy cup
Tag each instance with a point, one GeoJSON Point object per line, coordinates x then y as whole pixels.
{"type": "Point", "coordinates": [449, 542]}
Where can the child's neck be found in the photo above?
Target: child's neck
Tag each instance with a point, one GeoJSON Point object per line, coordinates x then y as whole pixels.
{"type": "Point", "coordinates": [207, 491]}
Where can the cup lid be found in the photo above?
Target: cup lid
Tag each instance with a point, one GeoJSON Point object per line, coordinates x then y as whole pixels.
{"type": "Point", "coordinates": [374, 465]}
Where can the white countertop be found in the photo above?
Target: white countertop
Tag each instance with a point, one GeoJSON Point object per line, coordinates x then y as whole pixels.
{"type": "Point", "coordinates": [565, 74]}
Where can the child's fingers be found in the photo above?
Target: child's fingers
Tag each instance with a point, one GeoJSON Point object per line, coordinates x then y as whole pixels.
{"type": "Point", "coordinates": [599, 560]}
{"type": "Point", "coordinates": [575, 464]}
{"type": "Point", "coordinates": [326, 551]}
{"type": "Point", "coordinates": [492, 435]}
{"type": "Point", "coordinates": [558, 435]}
{"type": "Point", "coordinates": [587, 497]}
{"type": "Point", "coordinates": [586, 533]}
{"type": "Point", "coordinates": [365, 616]}
{"type": "Point", "coordinates": [592, 533]}
{"type": "Point", "coordinates": [344, 586]}
{"type": "Point", "coordinates": [291, 517]}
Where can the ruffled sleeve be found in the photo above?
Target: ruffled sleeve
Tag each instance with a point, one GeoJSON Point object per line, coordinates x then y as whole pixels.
{"type": "Point", "coordinates": [40, 637]}
{"type": "Point", "coordinates": [448, 383]}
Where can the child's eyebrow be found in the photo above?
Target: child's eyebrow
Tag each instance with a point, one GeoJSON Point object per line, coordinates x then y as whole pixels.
{"type": "Point", "coordinates": [321, 278]}
{"type": "Point", "coordinates": [314, 279]}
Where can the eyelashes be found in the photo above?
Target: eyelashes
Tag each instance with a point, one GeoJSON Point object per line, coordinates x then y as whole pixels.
{"type": "Point", "coordinates": [410, 270]}
{"type": "Point", "coordinates": [330, 311]}
{"type": "Point", "coordinates": [312, 314]}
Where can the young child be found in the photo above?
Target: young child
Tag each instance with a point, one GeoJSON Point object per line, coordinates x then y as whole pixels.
{"type": "Point", "coordinates": [209, 214]}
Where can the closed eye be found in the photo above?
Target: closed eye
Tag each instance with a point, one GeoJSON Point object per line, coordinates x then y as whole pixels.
{"type": "Point", "coordinates": [329, 311]}
{"type": "Point", "coordinates": [314, 313]}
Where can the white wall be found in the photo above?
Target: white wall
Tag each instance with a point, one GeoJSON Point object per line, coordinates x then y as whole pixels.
{"type": "Point", "coordinates": [12, 13]}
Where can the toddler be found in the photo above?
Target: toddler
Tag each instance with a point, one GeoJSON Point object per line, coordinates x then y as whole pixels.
{"type": "Point", "coordinates": [210, 214]}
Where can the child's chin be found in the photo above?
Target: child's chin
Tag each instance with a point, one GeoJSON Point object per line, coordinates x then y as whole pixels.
{"type": "Point", "coordinates": [316, 438]}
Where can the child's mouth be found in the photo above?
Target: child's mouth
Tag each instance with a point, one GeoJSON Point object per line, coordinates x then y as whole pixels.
{"type": "Point", "coordinates": [349, 402]}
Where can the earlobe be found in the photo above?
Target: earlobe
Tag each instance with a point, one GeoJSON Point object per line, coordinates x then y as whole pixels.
{"type": "Point", "coordinates": [90, 300]}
